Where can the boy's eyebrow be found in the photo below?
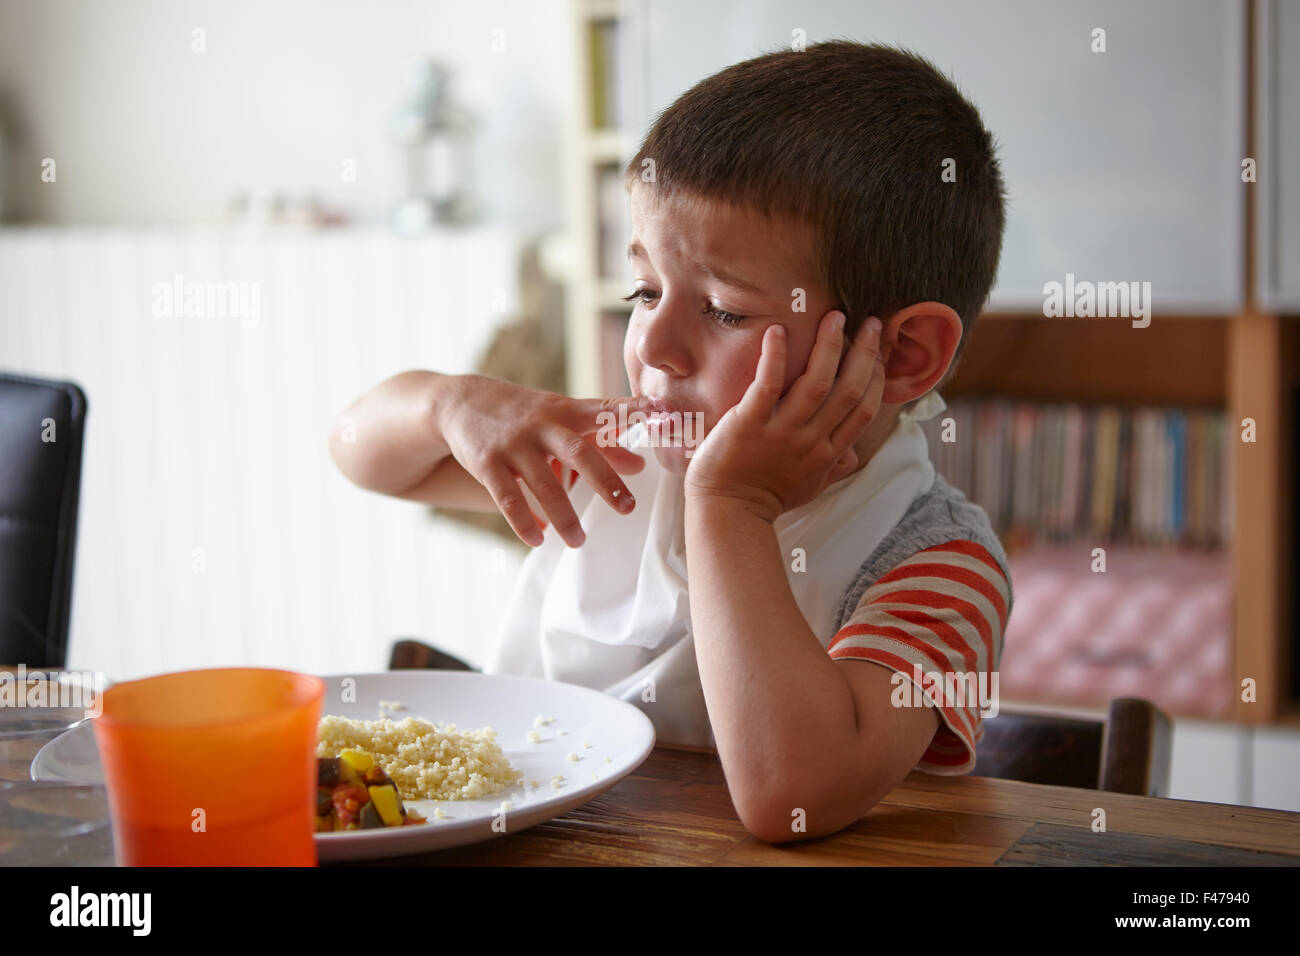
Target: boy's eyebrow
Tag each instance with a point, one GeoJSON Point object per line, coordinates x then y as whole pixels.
{"type": "Point", "coordinates": [635, 249]}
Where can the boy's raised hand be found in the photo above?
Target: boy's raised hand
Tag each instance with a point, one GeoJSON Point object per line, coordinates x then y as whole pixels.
{"type": "Point", "coordinates": [775, 453]}
{"type": "Point", "coordinates": [504, 434]}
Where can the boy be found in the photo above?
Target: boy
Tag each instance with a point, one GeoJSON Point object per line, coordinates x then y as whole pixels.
{"type": "Point", "coordinates": [777, 207]}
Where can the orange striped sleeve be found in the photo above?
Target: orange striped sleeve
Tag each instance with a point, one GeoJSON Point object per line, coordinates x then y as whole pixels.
{"type": "Point", "coordinates": [939, 615]}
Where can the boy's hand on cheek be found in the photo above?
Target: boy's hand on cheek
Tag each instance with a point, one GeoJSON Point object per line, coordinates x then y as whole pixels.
{"type": "Point", "coordinates": [772, 453]}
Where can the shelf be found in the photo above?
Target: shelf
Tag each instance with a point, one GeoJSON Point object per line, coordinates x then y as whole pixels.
{"type": "Point", "coordinates": [600, 9]}
{"type": "Point", "coordinates": [606, 146]}
{"type": "Point", "coordinates": [1174, 361]}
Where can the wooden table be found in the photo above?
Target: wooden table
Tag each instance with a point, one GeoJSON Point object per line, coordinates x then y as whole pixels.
{"type": "Point", "coordinates": [675, 810]}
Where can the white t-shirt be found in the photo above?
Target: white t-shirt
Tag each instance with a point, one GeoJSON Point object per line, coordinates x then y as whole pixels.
{"type": "Point", "coordinates": [614, 614]}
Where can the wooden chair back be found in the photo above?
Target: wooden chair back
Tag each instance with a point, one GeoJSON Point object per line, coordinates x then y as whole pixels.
{"type": "Point", "coordinates": [1127, 753]}
{"type": "Point", "coordinates": [409, 654]}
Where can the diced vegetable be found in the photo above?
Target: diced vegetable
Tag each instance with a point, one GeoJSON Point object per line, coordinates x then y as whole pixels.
{"type": "Point", "coordinates": [354, 792]}
{"type": "Point", "coordinates": [388, 804]}
{"type": "Point", "coordinates": [348, 801]}
{"type": "Point", "coordinates": [348, 776]}
{"type": "Point", "coordinates": [327, 771]}
{"type": "Point", "coordinates": [358, 760]}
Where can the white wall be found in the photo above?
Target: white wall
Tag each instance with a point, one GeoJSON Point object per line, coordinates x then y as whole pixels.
{"type": "Point", "coordinates": [1120, 165]}
{"type": "Point", "coordinates": [206, 437]}
{"type": "Point", "coordinates": [1237, 764]}
{"type": "Point", "coordinates": [145, 130]}
{"type": "Point", "coordinates": [214, 529]}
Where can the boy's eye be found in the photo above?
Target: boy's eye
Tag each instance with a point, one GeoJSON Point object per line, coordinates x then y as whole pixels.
{"type": "Point", "coordinates": [723, 318]}
{"type": "Point", "coordinates": [644, 295]}
{"type": "Point", "coordinates": [726, 318]}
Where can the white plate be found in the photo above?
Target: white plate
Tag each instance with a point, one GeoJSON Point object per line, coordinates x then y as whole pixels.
{"type": "Point", "coordinates": [621, 737]}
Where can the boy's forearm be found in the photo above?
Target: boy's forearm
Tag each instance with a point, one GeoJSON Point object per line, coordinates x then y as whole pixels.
{"type": "Point", "coordinates": [390, 438]}
{"type": "Point", "coordinates": [783, 715]}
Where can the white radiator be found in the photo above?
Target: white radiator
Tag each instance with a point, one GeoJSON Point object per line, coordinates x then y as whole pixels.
{"type": "Point", "coordinates": [214, 528]}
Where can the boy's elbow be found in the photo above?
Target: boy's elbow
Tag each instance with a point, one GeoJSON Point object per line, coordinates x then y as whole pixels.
{"type": "Point", "coordinates": [805, 813]}
{"type": "Point", "coordinates": [777, 831]}
{"type": "Point", "coordinates": [333, 444]}
{"type": "Point", "coordinates": [340, 454]}
{"type": "Point", "coordinates": [343, 451]}
{"type": "Point", "coordinates": [767, 813]}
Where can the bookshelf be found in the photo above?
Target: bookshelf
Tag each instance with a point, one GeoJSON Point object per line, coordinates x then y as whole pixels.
{"type": "Point", "coordinates": [596, 152]}
{"type": "Point", "coordinates": [1243, 362]}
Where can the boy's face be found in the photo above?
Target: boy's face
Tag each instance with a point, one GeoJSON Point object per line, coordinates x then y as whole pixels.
{"type": "Point", "coordinates": [677, 352]}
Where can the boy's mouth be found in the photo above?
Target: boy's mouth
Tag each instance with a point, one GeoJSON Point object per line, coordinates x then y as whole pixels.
{"type": "Point", "coordinates": [659, 406]}
{"type": "Point", "coordinates": [661, 423]}
{"type": "Point", "coordinates": [661, 413]}
{"type": "Point", "coordinates": [671, 426]}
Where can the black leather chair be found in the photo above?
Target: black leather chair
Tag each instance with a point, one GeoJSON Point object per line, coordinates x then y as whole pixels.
{"type": "Point", "coordinates": [42, 423]}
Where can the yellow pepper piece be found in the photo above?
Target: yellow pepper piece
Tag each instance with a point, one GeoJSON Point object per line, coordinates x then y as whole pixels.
{"type": "Point", "coordinates": [387, 803]}
{"type": "Point", "coordinates": [358, 760]}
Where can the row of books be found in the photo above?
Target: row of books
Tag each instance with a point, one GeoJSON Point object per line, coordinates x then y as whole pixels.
{"type": "Point", "coordinates": [1060, 472]}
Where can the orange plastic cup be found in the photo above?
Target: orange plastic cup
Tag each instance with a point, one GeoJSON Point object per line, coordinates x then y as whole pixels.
{"type": "Point", "coordinates": [212, 767]}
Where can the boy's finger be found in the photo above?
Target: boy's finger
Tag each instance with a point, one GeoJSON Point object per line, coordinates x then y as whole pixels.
{"type": "Point", "coordinates": [810, 389]}
{"type": "Point", "coordinates": [583, 457]}
{"type": "Point", "coordinates": [855, 379]}
{"type": "Point", "coordinates": [843, 466]}
{"type": "Point", "coordinates": [504, 487]}
{"type": "Point", "coordinates": [625, 462]}
{"type": "Point", "coordinates": [595, 414]}
{"type": "Point", "coordinates": [769, 378]}
{"type": "Point", "coordinates": [539, 480]}
{"type": "Point", "coordinates": [848, 431]}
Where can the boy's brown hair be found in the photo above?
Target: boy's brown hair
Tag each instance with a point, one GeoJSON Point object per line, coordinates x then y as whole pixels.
{"type": "Point", "coordinates": [849, 139]}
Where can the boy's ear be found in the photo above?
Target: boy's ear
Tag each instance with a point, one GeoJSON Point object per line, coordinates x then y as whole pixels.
{"type": "Point", "coordinates": [917, 345]}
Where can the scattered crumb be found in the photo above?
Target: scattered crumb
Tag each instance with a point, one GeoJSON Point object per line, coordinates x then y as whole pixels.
{"type": "Point", "coordinates": [561, 733]}
{"type": "Point", "coordinates": [534, 784]}
{"type": "Point", "coordinates": [540, 721]}
{"type": "Point", "coordinates": [607, 760]}
{"type": "Point", "coordinates": [438, 814]}
{"type": "Point", "coordinates": [557, 781]}
{"type": "Point", "coordinates": [534, 737]}
{"type": "Point", "coordinates": [507, 805]}
{"type": "Point", "coordinates": [586, 746]}
{"type": "Point", "coordinates": [574, 758]}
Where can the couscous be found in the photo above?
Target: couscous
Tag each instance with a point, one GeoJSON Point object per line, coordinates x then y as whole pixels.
{"type": "Point", "coordinates": [427, 762]}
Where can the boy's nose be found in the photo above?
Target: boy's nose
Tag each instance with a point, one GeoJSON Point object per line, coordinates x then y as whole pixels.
{"type": "Point", "coordinates": [661, 344]}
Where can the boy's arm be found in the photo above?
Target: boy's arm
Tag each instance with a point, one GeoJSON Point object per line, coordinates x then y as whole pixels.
{"type": "Point", "coordinates": [449, 485]}
{"type": "Point", "coordinates": [473, 441]}
{"type": "Point", "coordinates": [390, 441]}
{"type": "Point", "coordinates": [795, 729]}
